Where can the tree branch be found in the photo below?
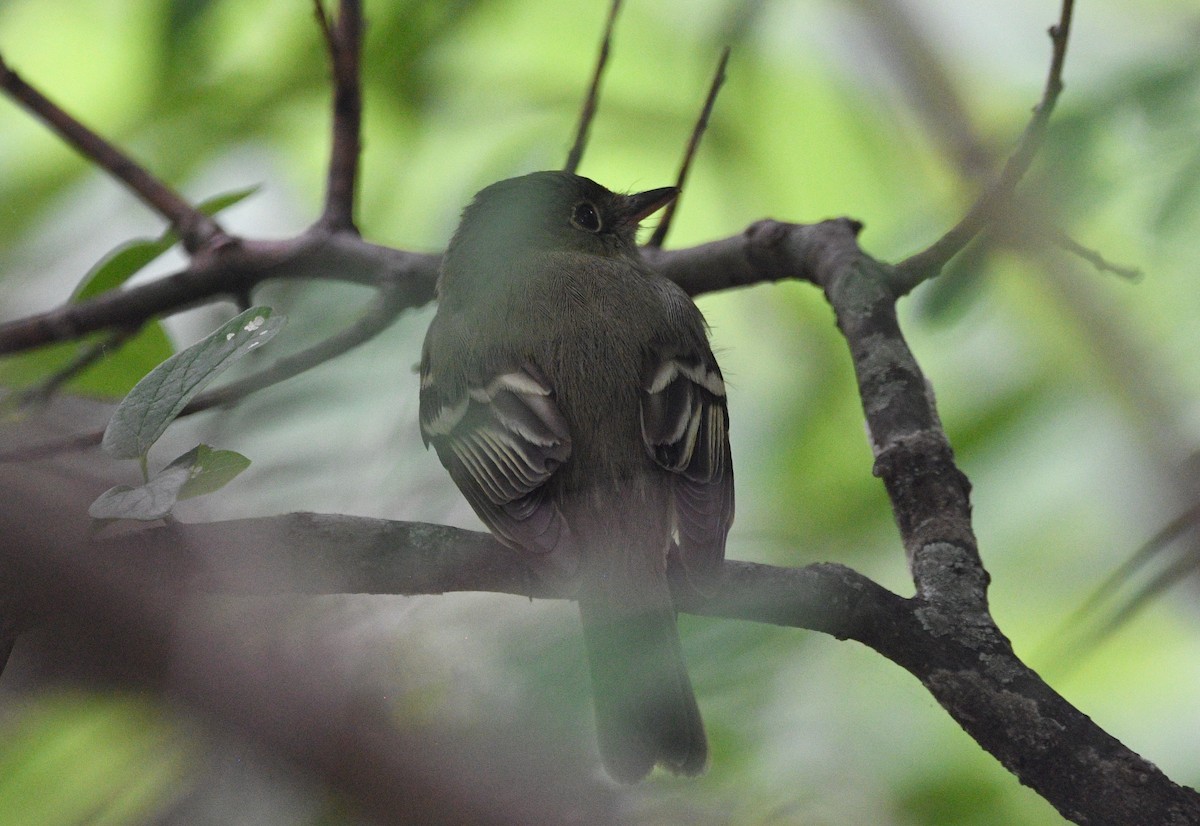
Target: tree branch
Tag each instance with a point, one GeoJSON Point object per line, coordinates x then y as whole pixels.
{"type": "Point", "coordinates": [383, 311]}
{"type": "Point", "coordinates": [195, 228]}
{"type": "Point", "coordinates": [588, 113]}
{"type": "Point", "coordinates": [664, 223]}
{"type": "Point", "coordinates": [232, 270]}
{"type": "Point", "coordinates": [340, 732]}
{"type": "Point", "coordinates": [944, 635]}
{"type": "Point", "coordinates": [969, 668]}
{"type": "Point", "coordinates": [929, 262]}
{"type": "Point", "coordinates": [343, 39]}
{"type": "Point", "coordinates": [81, 362]}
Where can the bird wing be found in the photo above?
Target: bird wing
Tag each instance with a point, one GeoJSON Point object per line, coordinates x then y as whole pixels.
{"type": "Point", "coordinates": [501, 441]}
{"type": "Point", "coordinates": [685, 426]}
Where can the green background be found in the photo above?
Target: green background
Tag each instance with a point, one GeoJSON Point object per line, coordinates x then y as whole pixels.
{"type": "Point", "coordinates": [1072, 397]}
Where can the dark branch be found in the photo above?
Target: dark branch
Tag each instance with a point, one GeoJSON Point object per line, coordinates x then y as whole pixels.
{"type": "Point", "coordinates": [944, 635]}
{"type": "Point", "coordinates": [195, 228]}
{"type": "Point", "coordinates": [929, 262]}
{"type": "Point", "coordinates": [664, 224]}
{"type": "Point", "coordinates": [55, 447]}
{"type": "Point", "coordinates": [343, 39]}
{"type": "Point", "coordinates": [337, 730]}
{"type": "Point", "coordinates": [588, 113]}
{"type": "Point", "coordinates": [226, 272]}
{"type": "Point", "coordinates": [404, 280]}
{"type": "Point", "coordinates": [1085, 773]}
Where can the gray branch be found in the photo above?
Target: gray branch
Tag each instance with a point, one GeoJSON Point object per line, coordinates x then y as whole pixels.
{"type": "Point", "coordinates": [943, 636]}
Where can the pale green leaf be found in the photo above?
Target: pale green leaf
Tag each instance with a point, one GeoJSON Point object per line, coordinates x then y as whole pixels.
{"type": "Point", "coordinates": [157, 399]}
{"type": "Point", "coordinates": [211, 470]}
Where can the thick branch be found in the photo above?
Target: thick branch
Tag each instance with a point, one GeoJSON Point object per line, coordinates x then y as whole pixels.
{"type": "Point", "coordinates": [292, 709]}
{"type": "Point", "coordinates": [233, 270]}
{"type": "Point", "coordinates": [944, 636]}
{"type": "Point", "coordinates": [738, 261]}
{"type": "Point", "coordinates": [971, 670]}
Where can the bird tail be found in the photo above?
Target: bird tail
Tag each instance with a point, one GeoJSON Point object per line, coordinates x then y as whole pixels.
{"type": "Point", "coordinates": [646, 710]}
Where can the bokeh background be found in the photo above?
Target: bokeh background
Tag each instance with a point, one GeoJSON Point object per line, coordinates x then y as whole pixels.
{"type": "Point", "coordinates": [1072, 396]}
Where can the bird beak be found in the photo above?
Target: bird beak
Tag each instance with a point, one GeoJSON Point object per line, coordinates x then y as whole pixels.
{"type": "Point", "coordinates": [640, 205]}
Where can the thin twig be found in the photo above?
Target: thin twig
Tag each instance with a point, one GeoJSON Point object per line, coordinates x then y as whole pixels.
{"type": "Point", "coordinates": [1170, 532]}
{"type": "Point", "coordinates": [82, 361]}
{"type": "Point", "coordinates": [1094, 258]}
{"type": "Point", "coordinates": [389, 302]}
{"type": "Point", "coordinates": [934, 93]}
{"type": "Point", "coordinates": [589, 103]}
{"type": "Point", "coordinates": [1086, 642]}
{"type": "Point", "coordinates": [344, 42]}
{"type": "Point", "coordinates": [381, 314]}
{"type": "Point", "coordinates": [927, 263]}
{"type": "Point", "coordinates": [324, 24]}
{"type": "Point", "coordinates": [194, 227]}
{"type": "Point", "coordinates": [664, 224]}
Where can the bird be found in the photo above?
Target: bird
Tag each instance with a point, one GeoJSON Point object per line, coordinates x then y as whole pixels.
{"type": "Point", "coordinates": [572, 394]}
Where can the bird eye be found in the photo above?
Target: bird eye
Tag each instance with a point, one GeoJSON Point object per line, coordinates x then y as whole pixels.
{"type": "Point", "coordinates": [586, 217]}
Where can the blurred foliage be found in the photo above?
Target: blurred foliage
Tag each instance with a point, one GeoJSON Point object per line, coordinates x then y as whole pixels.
{"type": "Point", "coordinates": [1071, 396]}
{"type": "Point", "coordinates": [73, 758]}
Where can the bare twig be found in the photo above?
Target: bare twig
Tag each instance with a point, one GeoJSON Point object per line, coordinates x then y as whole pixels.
{"type": "Point", "coordinates": [194, 227]}
{"type": "Point", "coordinates": [324, 24]}
{"type": "Point", "coordinates": [343, 39]}
{"type": "Point", "coordinates": [389, 302]}
{"type": "Point", "coordinates": [664, 224]}
{"type": "Point", "coordinates": [1073, 642]}
{"type": "Point", "coordinates": [82, 361]}
{"type": "Point", "coordinates": [1094, 258]}
{"type": "Point", "coordinates": [1179, 569]}
{"type": "Point", "coordinates": [929, 262]}
{"type": "Point", "coordinates": [381, 314]}
{"type": "Point", "coordinates": [589, 103]}
{"type": "Point", "coordinates": [933, 92]}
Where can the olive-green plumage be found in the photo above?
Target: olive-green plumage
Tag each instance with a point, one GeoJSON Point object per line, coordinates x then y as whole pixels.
{"type": "Point", "coordinates": [572, 395]}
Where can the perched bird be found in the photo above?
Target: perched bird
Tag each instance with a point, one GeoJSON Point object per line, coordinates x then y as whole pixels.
{"type": "Point", "coordinates": [572, 395]}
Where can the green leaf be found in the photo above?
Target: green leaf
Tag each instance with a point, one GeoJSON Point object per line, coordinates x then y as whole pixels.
{"type": "Point", "coordinates": [131, 257]}
{"type": "Point", "coordinates": [157, 399]}
{"type": "Point", "coordinates": [219, 203]}
{"type": "Point", "coordinates": [152, 500]}
{"type": "Point", "coordinates": [211, 470]}
{"type": "Point", "coordinates": [120, 265]}
{"type": "Point", "coordinates": [199, 471]}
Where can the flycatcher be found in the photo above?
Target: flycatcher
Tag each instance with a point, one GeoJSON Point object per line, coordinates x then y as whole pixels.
{"type": "Point", "coordinates": [572, 395]}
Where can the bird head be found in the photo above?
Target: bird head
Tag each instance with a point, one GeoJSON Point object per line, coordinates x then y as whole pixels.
{"type": "Point", "coordinates": [553, 211]}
